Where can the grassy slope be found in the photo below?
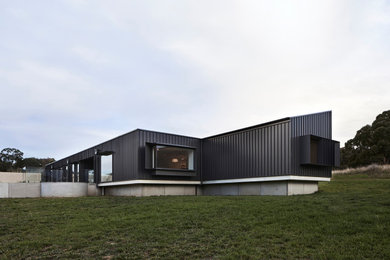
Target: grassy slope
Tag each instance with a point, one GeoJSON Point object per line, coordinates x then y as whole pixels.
{"type": "Point", "coordinates": [348, 218]}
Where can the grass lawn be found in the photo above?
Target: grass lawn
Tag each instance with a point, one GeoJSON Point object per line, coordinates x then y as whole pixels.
{"type": "Point", "coordinates": [348, 218]}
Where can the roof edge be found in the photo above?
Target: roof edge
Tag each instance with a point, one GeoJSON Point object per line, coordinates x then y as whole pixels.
{"type": "Point", "coordinates": [250, 127]}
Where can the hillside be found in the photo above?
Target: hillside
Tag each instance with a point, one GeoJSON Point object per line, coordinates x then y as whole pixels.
{"type": "Point", "coordinates": [348, 218]}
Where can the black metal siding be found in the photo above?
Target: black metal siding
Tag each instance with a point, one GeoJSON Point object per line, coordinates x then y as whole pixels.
{"type": "Point", "coordinates": [163, 138]}
{"type": "Point", "coordinates": [125, 157]}
{"type": "Point", "coordinates": [270, 149]}
{"type": "Point", "coordinates": [319, 124]}
{"type": "Point", "coordinates": [256, 152]}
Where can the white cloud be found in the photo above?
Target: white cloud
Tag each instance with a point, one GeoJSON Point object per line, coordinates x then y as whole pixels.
{"type": "Point", "coordinates": [90, 55]}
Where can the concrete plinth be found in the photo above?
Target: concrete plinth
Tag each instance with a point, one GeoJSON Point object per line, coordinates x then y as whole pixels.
{"type": "Point", "coordinates": [275, 188]}
{"type": "Point", "coordinates": [278, 188]}
{"type": "Point", "coordinates": [150, 190]}
{"type": "Point", "coordinates": [297, 188]}
{"type": "Point", "coordinates": [249, 189]}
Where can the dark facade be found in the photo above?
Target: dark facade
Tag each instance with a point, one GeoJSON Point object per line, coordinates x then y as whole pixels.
{"type": "Point", "coordinates": [293, 146]}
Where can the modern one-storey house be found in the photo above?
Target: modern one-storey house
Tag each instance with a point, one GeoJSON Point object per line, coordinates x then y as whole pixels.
{"type": "Point", "coordinates": [283, 157]}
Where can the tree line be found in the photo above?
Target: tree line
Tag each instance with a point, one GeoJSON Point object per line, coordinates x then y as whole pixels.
{"type": "Point", "coordinates": [371, 144]}
{"type": "Point", "coordinates": [11, 159]}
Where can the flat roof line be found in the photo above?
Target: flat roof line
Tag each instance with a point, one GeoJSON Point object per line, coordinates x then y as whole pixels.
{"type": "Point", "coordinates": [222, 134]}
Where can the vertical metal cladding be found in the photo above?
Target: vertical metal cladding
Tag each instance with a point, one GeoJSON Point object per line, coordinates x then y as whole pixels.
{"type": "Point", "coordinates": [125, 157]}
{"type": "Point", "coordinates": [319, 124]}
{"type": "Point", "coordinates": [163, 138]}
{"type": "Point", "coordinates": [254, 152]}
{"type": "Point", "coordinates": [270, 149]}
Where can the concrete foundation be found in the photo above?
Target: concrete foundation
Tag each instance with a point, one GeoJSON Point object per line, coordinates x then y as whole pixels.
{"type": "Point", "coordinates": [69, 189]}
{"type": "Point", "coordinates": [93, 190]}
{"type": "Point", "coordinates": [150, 190]}
{"type": "Point", "coordinates": [64, 189]}
{"type": "Point", "coordinates": [296, 188]}
{"type": "Point", "coordinates": [281, 188]}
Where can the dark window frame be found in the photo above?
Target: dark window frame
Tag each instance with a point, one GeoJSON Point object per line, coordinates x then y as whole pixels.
{"type": "Point", "coordinates": [151, 163]}
{"type": "Point", "coordinates": [155, 158]}
{"type": "Point", "coordinates": [112, 166]}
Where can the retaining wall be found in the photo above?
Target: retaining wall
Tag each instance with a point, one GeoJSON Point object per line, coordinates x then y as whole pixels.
{"type": "Point", "coordinates": [24, 190]}
{"type": "Point", "coordinates": [3, 190]}
{"type": "Point", "coordinates": [20, 190]}
{"type": "Point", "coordinates": [64, 189]}
{"type": "Point", "coordinates": [48, 189]}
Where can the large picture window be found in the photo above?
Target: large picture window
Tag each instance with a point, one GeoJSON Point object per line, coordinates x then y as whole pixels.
{"type": "Point", "coordinates": [106, 168]}
{"type": "Point", "coordinates": [170, 157]}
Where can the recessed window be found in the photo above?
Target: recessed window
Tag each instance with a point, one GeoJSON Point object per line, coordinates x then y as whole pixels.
{"type": "Point", "coordinates": [106, 168]}
{"type": "Point", "coordinates": [313, 151]}
{"type": "Point", "coordinates": [169, 157]}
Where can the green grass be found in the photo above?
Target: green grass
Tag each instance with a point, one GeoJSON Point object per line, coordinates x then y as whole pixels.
{"type": "Point", "coordinates": [349, 218]}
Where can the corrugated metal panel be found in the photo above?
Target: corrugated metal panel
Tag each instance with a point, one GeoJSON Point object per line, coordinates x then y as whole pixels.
{"type": "Point", "coordinates": [319, 124]}
{"type": "Point", "coordinates": [255, 152]}
{"type": "Point", "coordinates": [125, 157]}
{"type": "Point", "coordinates": [270, 149]}
{"type": "Point", "coordinates": [163, 138]}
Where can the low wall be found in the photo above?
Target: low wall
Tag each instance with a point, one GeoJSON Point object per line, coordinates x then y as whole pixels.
{"type": "Point", "coordinates": [18, 177]}
{"type": "Point", "coordinates": [64, 189]}
{"type": "Point", "coordinates": [48, 189]}
{"type": "Point", "coordinates": [20, 190]}
{"type": "Point", "coordinates": [11, 177]}
{"type": "Point", "coordinates": [24, 190]}
{"type": "Point", "coordinates": [3, 190]}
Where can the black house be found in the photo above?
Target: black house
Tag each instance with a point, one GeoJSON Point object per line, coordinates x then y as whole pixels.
{"type": "Point", "coordinates": [283, 157]}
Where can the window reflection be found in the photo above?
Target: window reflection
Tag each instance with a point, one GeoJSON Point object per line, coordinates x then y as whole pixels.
{"type": "Point", "coordinates": [106, 168]}
{"type": "Point", "coordinates": [168, 157]}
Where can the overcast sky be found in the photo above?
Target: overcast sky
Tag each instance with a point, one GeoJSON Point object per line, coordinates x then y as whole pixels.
{"type": "Point", "coordinates": [76, 73]}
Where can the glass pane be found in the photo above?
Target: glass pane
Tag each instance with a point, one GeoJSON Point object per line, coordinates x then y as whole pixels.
{"type": "Point", "coordinates": [174, 158]}
{"type": "Point", "coordinates": [106, 168]}
{"type": "Point", "coordinates": [91, 176]}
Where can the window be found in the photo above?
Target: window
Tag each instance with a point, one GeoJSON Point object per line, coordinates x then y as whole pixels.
{"type": "Point", "coordinates": [313, 151]}
{"type": "Point", "coordinates": [106, 168]}
{"type": "Point", "coordinates": [91, 176]}
{"type": "Point", "coordinates": [170, 157]}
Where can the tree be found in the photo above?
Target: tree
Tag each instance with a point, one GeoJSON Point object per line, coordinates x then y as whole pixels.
{"type": "Point", "coordinates": [31, 162]}
{"type": "Point", "coordinates": [358, 151]}
{"type": "Point", "coordinates": [371, 144]}
{"type": "Point", "coordinates": [36, 162]}
{"type": "Point", "coordinates": [381, 136]}
{"type": "Point", "coordinates": [10, 158]}
{"type": "Point", "coordinates": [45, 161]}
